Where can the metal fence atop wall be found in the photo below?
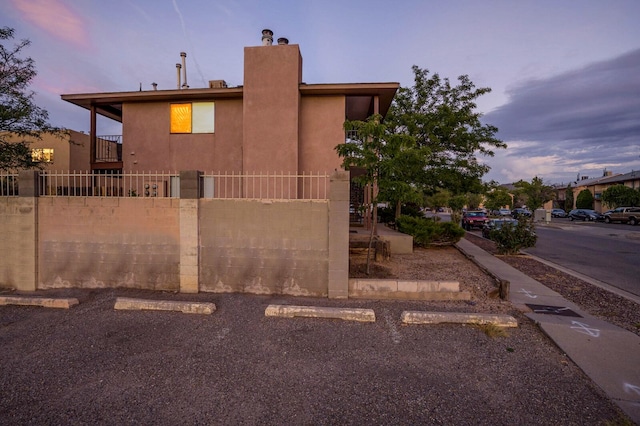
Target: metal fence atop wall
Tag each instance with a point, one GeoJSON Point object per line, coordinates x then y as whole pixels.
{"type": "Point", "coordinates": [8, 184]}
{"type": "Point", "coordinates": [88, 184]}
{"type": "Point", "coordinates": [274, 186]}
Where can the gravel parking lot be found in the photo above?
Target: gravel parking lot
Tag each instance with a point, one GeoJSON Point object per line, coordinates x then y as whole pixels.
{"type": "Point", "coordinates": [94, 365]}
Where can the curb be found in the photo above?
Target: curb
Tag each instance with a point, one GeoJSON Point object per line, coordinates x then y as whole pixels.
{"type": "Point", "coordinates": [415, 317]}
{"type": "Point", "coordinates": [347, 314]}
{"type": "Point", "coordinates": [45, 302]}
{"type": "Point", "coordinates": [389, 289]}
{"type": "Point", "coordinates": [126, 303]}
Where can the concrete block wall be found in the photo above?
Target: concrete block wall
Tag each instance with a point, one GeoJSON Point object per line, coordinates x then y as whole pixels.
{"type": "Point", "coordinates": [296, 247]}
{"type": "Point", "coordinates": [264, 247]}
{"type": "Point", "coordinates": [18, 249]}
{"type": "Point", "coordinates": [96, 242]}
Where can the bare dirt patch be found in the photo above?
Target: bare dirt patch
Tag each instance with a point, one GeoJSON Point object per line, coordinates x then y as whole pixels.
{"type": "Point", "coordinates": [448, 264]}
{"type": "Point", "coordinates": [435, 264]}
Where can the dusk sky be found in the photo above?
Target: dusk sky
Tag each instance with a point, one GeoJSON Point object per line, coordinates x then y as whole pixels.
{"type": "Point", "coordinates": [564, 74]}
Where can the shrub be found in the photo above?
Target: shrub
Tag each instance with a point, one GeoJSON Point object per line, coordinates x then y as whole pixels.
{"type": "Point", "coordinates": [427, 231]}
{"type": "Point", "coordinates": [388, 214]}
{"type": "Point", "coordinates": [510, 239]}
{"type": "Point", "coordinates": [584, 200]}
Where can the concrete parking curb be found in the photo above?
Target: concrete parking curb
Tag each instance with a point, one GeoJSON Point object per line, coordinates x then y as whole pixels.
{"type": "Point", "coordinates": [45, 302]}
{"type": "Point", "coordinates": [347, 314]}
{"type": "Point", "coordinates": [126, 303]}
{"type": "Point", "coordinates": [416, 317]}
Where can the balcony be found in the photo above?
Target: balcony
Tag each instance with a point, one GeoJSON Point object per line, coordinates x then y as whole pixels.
{"type": "Point", "coordinates": [106, 154]}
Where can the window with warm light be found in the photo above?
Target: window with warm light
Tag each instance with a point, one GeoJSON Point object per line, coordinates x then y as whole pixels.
{"type": "Point", "coordinates": [42, 155]}
{"type": "Point", "coordinates": [196, 117]}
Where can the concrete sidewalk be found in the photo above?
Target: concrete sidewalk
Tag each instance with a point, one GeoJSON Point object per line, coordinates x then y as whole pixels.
{"type": "Point", "coordinates": [608, 354]}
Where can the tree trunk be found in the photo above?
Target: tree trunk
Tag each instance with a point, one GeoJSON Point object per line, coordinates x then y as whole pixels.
{"type": "Point", "coordinates": [398, 209]}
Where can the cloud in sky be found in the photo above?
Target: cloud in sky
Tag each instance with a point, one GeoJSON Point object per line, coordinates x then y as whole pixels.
{"type": "Point", "coordinates": [558, 115]}
{"type": "Point", "coordinates": [56, 18]}
{"type": "Point", "coordinates": [587, 118]}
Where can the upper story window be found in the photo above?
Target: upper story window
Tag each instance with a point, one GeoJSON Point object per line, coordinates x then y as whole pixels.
{"type": "Point", "coordinates": [193, 117]}
{"type": "Point", "coordinates": [42, 155]}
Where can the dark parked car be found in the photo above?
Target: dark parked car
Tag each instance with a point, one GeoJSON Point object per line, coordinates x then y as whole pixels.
{"type": "Point", "coordinates": [502, 212]}
{"type": "Point", "coordinates": [585, 214]}
{"type": "Point", "coordinates": [558, 213]}
{"type": "Point", "coordinates": [496, 224]}
{"type": "Point", "coordinates": [519, 211]}
{"type": "Point", "coordinates": [474, 219]}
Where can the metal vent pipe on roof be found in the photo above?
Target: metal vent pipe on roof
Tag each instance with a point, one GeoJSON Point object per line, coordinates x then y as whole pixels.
{"type": "Point", "coordinates": [267, 37]}
{"type": "Point", "coordinates": [178, 66]}
{"type": "Point", "coordinates": [183, 55]}
{"type": "Point", "coordinates": [282, 41]}
{"type": "Point", "coordinates": [155, 86]}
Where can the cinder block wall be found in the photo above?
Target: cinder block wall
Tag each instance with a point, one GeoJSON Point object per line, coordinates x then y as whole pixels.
{"type": "Point", "coordinates": [18, 243]}
{"type": "Point", "coordinates": [264, 247]}
{"type": "Point", "coordinates": [296, 247]}
{"type": "Point", "coordinates": [95, 242]}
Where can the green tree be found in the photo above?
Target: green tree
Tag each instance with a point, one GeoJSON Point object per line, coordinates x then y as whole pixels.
{"type": "Point", "coordinates": [456, 204]}
{"type": "Point", "coordinates": [621, 195]}
{"type": "Point", "coordinates": [496, 198]}
{"type": "Point", "coordinates": [535, 193]}
{"type": "Point", "coordinates": [372, 148]}
{"type": "Point", "coordinates": [474, 200]}
{"type": "Point", "coordinates": [568, 199]}
{"type": "Point", "coordinates": [584, 200]}
{"type": "Point", "coordinates": [440, 199]}
{"type": "Point", "coordinates": [18, 113]}
{"type": "Point", "coordinates": [385, 158]}
{"type": "Point", "coordinates": [447, 130]}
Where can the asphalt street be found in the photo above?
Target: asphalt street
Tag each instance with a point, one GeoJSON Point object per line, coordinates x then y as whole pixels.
{"type": "Point", "coordinates": [606, 252]}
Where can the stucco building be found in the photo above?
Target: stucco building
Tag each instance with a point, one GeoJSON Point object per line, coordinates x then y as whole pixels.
{"type": "Point", "coordinates": [66, 151]}
{"type": "Point", "coordinates": [273, 122]}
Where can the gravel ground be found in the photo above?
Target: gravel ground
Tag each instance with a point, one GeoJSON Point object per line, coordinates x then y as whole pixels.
{"type": "Point", "coordinates": [94, 365]}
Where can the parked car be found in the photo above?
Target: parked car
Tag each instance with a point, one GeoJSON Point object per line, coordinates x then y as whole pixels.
{"type": "Point", "coordinates": [558, 213]}
{"type": "Point", "coordinates": [519, 211]}
{"type": "Point", "coordinates": [585, 214]}
{"type": "Point", "coordinates": [504, 212]}
{"type": "Point", "coordinates": [630, 215]}
{"type": "Point", "coordinates": [496, 224]}
{"type": "Point", "coordinates": [474, 219]}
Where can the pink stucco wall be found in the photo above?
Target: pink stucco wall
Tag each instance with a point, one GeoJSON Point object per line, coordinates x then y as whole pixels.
{"type": "Point", "coordinates": [321, 120]}
{"type": "Point", "coordinates": [148, 144]}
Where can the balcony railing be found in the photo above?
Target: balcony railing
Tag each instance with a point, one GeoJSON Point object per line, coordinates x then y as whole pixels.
{"type": "Point", "coordinates": [108, 149]}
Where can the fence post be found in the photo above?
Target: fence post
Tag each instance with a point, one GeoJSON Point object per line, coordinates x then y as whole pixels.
{"type": "Point", "coordinates": [338, 286]}
{"type": "Point", "coordinates": [190, 193]}
{"type": "Point", "coordinates": [23, 237]}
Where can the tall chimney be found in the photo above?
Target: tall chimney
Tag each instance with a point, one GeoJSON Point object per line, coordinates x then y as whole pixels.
{"type": "Point", "coordinates": [178, 66]}
{"type": "Point", "coordinates": [184, 70]}
{"type": "Point", "coordinates": [283, 40]}
{"type": "Point", "coordinates": [267, 37]}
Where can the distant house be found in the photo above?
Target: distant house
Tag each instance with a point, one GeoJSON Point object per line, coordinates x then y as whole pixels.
{"type": "Point", "coordinates": [69, 151]}
{"type": "Point", "coordinates": [631, 179]}
{"type": "Point", "coordinates": [273, 122]}
{"type": "Point", "coordinates": [597, 186]}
